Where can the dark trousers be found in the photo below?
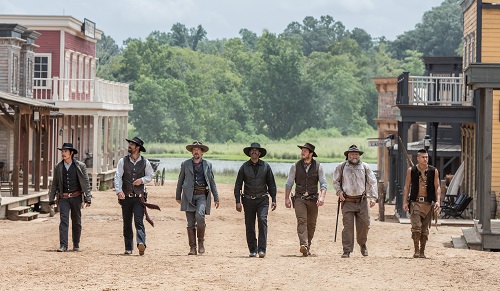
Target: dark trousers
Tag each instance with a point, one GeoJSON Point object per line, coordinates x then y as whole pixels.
{"type": "Point", "coordinates": [256, 208]}
{"type": "Point", "coordinates": [67, 205]}
{"type": "Point", "coordinates": [306, 212]}
{"type": "Point", "coordinates": [132, 208]}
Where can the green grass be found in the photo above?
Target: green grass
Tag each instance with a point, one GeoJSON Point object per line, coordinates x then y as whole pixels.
{"type": "Point", "coordinates": [329, 149]}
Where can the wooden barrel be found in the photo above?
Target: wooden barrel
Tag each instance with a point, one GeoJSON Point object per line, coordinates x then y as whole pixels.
{"type": "Point", "coordinates": [493, 206]}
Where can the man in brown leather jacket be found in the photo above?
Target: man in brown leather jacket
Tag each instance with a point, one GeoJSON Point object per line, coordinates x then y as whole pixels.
{"type": "Point", "coordinates": [71, 184]}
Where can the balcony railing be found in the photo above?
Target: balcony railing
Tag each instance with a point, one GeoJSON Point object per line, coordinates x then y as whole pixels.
{"type": "Point", "coordinates": [425, 90]}
{"type": "Point", "coordinates": [92, 90]}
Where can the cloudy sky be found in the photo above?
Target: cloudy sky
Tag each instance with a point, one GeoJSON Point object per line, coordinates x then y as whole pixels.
{"type": "Point", "coordinates": [121, 19]}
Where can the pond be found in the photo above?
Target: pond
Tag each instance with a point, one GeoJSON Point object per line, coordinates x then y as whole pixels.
{"type": "Point", "coordinates": [220, 166]}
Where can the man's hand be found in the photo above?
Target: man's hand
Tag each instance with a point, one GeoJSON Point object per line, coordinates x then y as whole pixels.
{"type": "Point", "coordinates": [288, 202]}
{"type": "Point", "coordinates": [273, 206]}
{"type": "Point", "coordinates": [216, 203]}
{"type": "Point", "coordinates": [121, 195]}
{"type": "Point", "coordinates": [405, 206]}
{"type": "Point", "coordinates": [179, 201]}
{"type": "Point", "coordinates": [436, 206]}
{"type": "Point", "coordinates": [137, 182]}
{"type": "Point", "coordinates": [87, 204]}
{"type": "Point", "coordinates": [320, 201]}
{"type": "Point", "coordinates": [341, 195]}
{"type": "Point", "coordinates": [372, 203]}
{"type": "Point", "coordinates": [238, 207]}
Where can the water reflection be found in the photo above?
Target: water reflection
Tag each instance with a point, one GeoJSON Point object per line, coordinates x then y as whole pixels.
{"type": "Point", "coordinates": [220, 166]}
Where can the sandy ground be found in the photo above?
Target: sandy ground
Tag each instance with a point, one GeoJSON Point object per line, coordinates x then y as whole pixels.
{"type": "Point", "coordinates": [29, 260]}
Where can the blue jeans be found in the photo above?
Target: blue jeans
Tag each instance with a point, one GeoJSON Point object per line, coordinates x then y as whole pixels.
{"type": "Point", "coordinates": [253, 208]}
{"type": "Point", "coordinates": [197, 218]}
{"type": "Point", "coordinates": [67, 205]}
{"type": "Point", "coordinates": [133, 208]}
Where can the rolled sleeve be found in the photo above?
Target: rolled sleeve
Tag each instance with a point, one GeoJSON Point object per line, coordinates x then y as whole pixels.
{"type": "Point", "coordinates": [118, 177]}
{"type": "Point", "coordinates": [291, 177]}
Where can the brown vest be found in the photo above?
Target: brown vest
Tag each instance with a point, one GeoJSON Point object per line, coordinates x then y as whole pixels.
{"type": "Point", "coordinates": [306, 182]}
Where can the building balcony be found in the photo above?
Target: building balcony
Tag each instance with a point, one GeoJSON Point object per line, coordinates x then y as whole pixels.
{"type": "Point", "coordinates": [433, 99]}
{"type": "Point", "coordinates": [90, 93]}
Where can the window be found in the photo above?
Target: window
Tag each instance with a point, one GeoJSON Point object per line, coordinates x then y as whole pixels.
{"type": "Point", "coordinates": [42, 71]}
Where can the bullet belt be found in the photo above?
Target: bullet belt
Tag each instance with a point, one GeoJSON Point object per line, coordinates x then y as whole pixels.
{"type": "Point", "coordinates": [200, 190]}
{"type": "Point", "coordinates": [133, 195]}
{"type": "Point", "coordinates": [356, 199]}
{"type": "Point", "coordinates": [72, 194]}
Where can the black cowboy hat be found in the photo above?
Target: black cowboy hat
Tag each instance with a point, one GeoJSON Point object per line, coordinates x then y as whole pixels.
{"type": "Point", "coordinates": [353, 149]}
{"type": "Point", "coordinates": [310, 147]}
{"type": "Point", "coordinates": [255, 145]}
{"type": "Point", "coordinates": [138, 142]}
{"type": "Point", "coordinates": [197, 144]}
{"type": "Point", "coordinates": [68, 146]}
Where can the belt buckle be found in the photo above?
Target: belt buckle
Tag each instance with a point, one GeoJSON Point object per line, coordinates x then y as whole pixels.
{"type": "Point", "coordinates": [69, 195]}
{"type": "Point", "coordinates": [305, 194]}
{"type": "Point", "coordinates": [421, 199]}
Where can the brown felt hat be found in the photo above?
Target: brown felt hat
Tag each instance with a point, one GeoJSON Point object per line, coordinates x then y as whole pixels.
{"type": "Point", "coordinates": [197, 144]}
{"type": "Point", "coordinates": [310, 147]}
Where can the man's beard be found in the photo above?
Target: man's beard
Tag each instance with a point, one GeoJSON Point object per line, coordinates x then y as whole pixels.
{"type": "Point", "coordinates": [129, 150]}
{"type": "Point", "coordinates": [354, 161]}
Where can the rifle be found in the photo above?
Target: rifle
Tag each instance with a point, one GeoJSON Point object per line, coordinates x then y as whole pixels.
{"type": "Point", "coordinates": [408, 159]}
{"type": "Point", "coordinates": [337, 222]}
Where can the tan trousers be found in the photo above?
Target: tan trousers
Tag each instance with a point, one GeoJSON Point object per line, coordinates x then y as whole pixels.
{"type": "Point", "coordinates": [355, 213]}
{"type": "Point", "coordinates": [306, 212]}
{"type": "Point", "coordinates": [420, 217]}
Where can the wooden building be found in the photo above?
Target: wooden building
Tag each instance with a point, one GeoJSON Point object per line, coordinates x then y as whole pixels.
{"type": "Point", "coordinates": [469, 103]}
{"type": "Point", "coordinates": [93, 113]}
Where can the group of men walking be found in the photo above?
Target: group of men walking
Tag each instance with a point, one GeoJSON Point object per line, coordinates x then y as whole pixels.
{"type": "Point", "coordinates": [254, 190]}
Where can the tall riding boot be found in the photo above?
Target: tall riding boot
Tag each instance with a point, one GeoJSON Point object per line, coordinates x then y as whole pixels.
{"type": "Point", "coordinates": [192, 241]}
{"type": "Point", "coordinates": [416, 240]}
{"type": "Point", "coordinates": [201, 239]}
{"type": "Point", "coordinates": [423, 241]}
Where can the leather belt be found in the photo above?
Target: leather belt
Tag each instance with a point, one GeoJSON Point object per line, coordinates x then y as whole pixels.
{"type": "Point", "coordinates": [308, 196]}
{"type": "Point", "coordinates": [200, 192]}
{"type": "Point", "coordinates": [70, 195]}
{"type": "Point", "coordinates": [253, 197]}
{"type": "Point", "coordinates": [133, 195]}
{"type": "Point", "coordinates": [354, 199]}
{"type": "Point", "coordinates": [422, 199]}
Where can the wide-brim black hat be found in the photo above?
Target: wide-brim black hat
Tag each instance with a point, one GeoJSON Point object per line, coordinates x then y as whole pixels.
{"type": "Point", "coordinates": [353, 149]}
{"type": "Point", "coordinates": [255, 145]}
{"type": "Point", "coordinates": [138, 142]}
{"type": "Point", "coordinates": [68, 146]}
{"type": "Point", "coordinates": [310, 147]}
{"type": "Point", "coordinates": [197, 144]}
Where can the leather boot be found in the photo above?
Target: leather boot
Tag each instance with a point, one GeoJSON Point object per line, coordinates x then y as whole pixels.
{"type": "Point", "coordinates": [192, 241]}
{"type": "Point", "coordinates": [201, 239]}
{"type": "Point", "coordinates": [423, 241]}
{"type": "Point", "coordinates": [416, 240]}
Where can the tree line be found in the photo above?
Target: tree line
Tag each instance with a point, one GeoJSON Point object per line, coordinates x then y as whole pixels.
{"type": "Point", "coordinates": [315, 74]}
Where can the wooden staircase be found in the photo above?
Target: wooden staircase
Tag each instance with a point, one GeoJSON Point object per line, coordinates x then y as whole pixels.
{"type": "Point", "coordinates": [21, 213]}
{"type": "Point", "coordinates": [476, 239]}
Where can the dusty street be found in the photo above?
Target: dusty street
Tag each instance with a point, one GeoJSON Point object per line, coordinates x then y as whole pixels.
{"type": "Point", "coordinates": [29, 260]}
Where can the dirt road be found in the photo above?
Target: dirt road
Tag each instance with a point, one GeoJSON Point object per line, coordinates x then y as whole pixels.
{"type": "Point", "coordinates": [29, 260]}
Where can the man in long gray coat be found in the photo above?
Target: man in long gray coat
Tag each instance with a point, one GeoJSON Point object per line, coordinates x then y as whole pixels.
{"type": "Point", "coordinates": [195, 183]}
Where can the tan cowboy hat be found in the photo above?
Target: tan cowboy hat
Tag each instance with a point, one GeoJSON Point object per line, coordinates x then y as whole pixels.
{"type": "Point", "coordinates": [310, 147]}
{"type": "Point", "coordinates": [138, 142]}
{"type": "Point", "coordinates": [68, 146]}
{"type": "Point", "coordinates": [197, 144]}
{"type": "Point", "coordinates": [353, 149]}
{"type": "Point", "coordinates": [255, 145]}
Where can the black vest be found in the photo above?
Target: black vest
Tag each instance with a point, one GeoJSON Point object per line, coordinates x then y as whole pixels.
{"type": "Point", "coordinates": [199, 175]}
{"type": "Point", "coordinates": [70, 179]}
{"type": "Point", "coordinates": [255, 184]}
{"type": "Point", "coordinates": [306, 182]}
{"type": "Point", "coordinates": [131, 173]}
{"type": "Point", "coordinates": [431, 190]}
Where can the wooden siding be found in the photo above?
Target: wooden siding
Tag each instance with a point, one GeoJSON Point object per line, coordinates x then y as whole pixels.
{"type": "Point", "coordinates": [491, 36]}
{"type": "Point", "coordinates": [50, 43]}
{"type": "Point", "coordinates": [470, 19]}
{"type": "Point", "coordinates": [77, 44]}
